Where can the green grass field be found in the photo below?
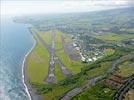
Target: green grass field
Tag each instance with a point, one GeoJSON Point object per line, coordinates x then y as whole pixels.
{"type": "Point", "coordinates": [109, 52]}
{"type": "Point", "coordinates": [126, 69]}
{"type": "Point", "coordinates": [45, 35]}
{"type": "Point", "coordinates": [98, 92]}
{"type": "Point", "coordinates": [100, 70]}
{"type": "Point", "coordinates": [115, 37]}
{"type": "Point", "coordinates": [38, 62]}
{"type": "Point", "coordinates": [58, 42]}
{"type": "Point", "coordinates": [58, 73]}
{"type": "Point", "coordinates": [130, 31]}
{"type": "Point", "coordinates": [74, 66]}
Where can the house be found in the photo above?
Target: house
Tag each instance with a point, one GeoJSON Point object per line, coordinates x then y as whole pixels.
{"type": "Point", "coordinates": [90, 60]}
{"type": "Point", "coordinates": [94, 58]}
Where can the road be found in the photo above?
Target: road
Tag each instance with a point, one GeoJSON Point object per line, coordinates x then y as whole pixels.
{"type": "Point", "coordinates": [120, 60]}
{"type": "Point", "coordinates": [124, 89]}
{"type": "Point", "coordinates": [70, 94]}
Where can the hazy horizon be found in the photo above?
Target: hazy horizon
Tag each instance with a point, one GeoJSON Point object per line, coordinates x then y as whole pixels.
{"type": "Point", "coordinates": [22, 7]}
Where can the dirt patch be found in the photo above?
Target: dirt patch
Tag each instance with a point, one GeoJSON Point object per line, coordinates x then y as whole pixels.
{"type": "Point", "coordinates": [129, 95]}
{"type": "Point", "coordinates": [36, 57]}
{"type": "Point", "coordinates": [70, 50]}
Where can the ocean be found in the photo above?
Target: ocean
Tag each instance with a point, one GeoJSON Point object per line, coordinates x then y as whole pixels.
{"type": "Point", "coordinates": [15, 41]}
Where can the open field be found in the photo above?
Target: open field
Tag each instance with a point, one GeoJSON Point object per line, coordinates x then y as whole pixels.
{"type": "Point", "coordinates": [74, 66]}
{"type": "Point", "coordinates": [100, 70]}
{"type": "Point", "coordinates": [109, 52]}
{"type": "Point", "coordinates": [58, 41]}
{"type": "Point", "coordinates": [45, 35]}
{"type": "Point", "coordinates": [130, 31]}
{"type": "Point", "coordinates": [58, 73]}
{"type": "Point", "coordinates": [126, 69]}
{"type": "Point", "coordinates": [100, 90]}
{"type": "Point", "coordinates": [38, 62]}
{"type": "Point", "coordinates": [115, 37]}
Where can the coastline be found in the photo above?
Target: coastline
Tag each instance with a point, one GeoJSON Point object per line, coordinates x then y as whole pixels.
{"type": "Point", "coordinates": [28, 89]}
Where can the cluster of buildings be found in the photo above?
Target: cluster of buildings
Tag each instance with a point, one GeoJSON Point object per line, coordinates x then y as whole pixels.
{"type": "Point", "coordinates": [88, 58]}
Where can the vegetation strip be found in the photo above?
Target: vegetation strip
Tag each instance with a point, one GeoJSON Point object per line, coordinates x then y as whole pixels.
{"type": "Point", "coordinates": [76, 91]}
{"type": "Point", "coordinates": [37, 62]}
{"type": "Point", "coordinates": [71, 93]}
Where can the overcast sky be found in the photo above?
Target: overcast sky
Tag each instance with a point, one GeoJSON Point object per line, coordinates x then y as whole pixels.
{"type": "Point", "coordinates": [20, 7]}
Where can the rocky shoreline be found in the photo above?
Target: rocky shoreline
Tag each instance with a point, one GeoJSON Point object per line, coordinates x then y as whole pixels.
{"type": "Point", "coordinates": [29, 90]}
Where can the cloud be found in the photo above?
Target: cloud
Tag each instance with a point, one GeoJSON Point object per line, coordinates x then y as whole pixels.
{"type": "Point", "coordinates": [58, 6]}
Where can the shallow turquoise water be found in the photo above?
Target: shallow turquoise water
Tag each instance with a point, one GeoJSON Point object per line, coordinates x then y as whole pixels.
{"type": "Point", "coordinates": [15, 42]}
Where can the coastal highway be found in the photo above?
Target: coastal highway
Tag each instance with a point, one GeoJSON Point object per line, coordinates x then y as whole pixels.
{"type": "Point", "coordinates": [91, 82]}
{"type": "Point", "coordinates": [123, 90]}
